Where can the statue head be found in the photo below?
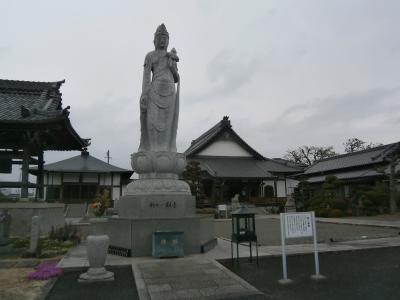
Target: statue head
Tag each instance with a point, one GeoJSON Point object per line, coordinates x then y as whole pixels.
{"type": "Point", "coordinates": [161, 37]}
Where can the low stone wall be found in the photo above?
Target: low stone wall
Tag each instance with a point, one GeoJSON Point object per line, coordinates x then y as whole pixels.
{"type": "Point", "coordinates": [51, 214]}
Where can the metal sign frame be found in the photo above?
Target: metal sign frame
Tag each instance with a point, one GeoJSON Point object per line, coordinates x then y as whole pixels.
{"type": "Point", "coordinates": [301, 224]}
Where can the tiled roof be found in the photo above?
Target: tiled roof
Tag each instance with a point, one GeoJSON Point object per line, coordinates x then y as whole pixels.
{"type": "Point", "coordinates": [351, 160]}
{"type": "Point", "coordinates": [206, 138]}
{"type": "Point", "coordinates": [347, 175]}
{"type": "Point", "coordinates": [233, 167]}
{"type": "Point", "coordinates": [83, 163]}
{"type": "Point", "coordinates": [276, 166]}
{"type": "Point", "coordinates": [289, 163]}
{"type": "Point", "coordinates": [27, 101]}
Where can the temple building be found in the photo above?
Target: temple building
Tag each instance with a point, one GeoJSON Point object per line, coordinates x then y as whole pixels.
{"type": "Point", "coordinates": [231, 167]}
{"type": "Point", "coordinates": [33, 120]}
{"type": "Point", "coordinates": [366, 167]}
{"type": "Point", "coordinates": [80, 178]}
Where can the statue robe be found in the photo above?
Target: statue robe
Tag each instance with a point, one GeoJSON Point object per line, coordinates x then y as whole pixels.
{"type": "Point", "coordinates": [159, 116]}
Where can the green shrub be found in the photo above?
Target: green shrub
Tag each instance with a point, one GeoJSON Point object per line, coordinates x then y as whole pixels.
{"type": "Point", "coordinates": [323, 212]}
{"type": "Point", "coordinates": [65, 233]}
{"type": "Point", "coordinates": [336, 213]}
{"type": "Point", "coordinates": [20, 242]}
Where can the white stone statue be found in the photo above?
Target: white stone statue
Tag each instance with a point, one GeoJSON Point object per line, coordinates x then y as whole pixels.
{"type": "Point", "coordinates": [157, 161]}
{"type": "Point", "coordinates": [159, 110]}
{"type": "Point", "coordinates": [159, 102]}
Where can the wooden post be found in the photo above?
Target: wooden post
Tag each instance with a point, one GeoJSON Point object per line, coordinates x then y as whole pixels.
{"type": "Point", "coordinates": [221, 191]}
{"type": "Point", "coordinates": [39, 180]}
{"type": "Point", "coordinates": [25, 175]}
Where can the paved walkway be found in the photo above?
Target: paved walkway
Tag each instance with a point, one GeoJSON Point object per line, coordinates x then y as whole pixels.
{"type": "Point", "coordinates": [190, 278]}
{"type": "Point", "coordinates": [200, 276]}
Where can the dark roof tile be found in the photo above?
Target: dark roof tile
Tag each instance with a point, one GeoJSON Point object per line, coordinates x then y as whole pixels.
{"type": "Point", "coordinates": [350, 160]}
{"type": "Point", "coordinates": [83, 163]}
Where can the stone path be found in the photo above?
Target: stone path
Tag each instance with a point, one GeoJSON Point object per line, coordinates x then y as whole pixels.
{"type": "Point", "coordinates": [190, 279]}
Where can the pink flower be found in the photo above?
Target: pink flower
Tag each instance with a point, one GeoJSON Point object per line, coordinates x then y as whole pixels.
{"type": "Point", "coordinates": [45, 271]}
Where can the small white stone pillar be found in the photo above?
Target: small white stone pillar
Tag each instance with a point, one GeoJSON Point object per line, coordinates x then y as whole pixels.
{"type": "Point", "coordinates": [35, 235]}
{"type": "Point", "coordinates": [97, 246]}
{"type": "Point", "coordinates": [235, 204]}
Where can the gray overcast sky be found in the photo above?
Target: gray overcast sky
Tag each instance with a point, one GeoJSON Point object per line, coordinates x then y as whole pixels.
{"type": "Point", "coordinates": [288, 73]}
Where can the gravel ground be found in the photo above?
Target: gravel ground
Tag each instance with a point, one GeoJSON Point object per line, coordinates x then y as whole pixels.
{"type": "Point", "coordinates": [350, 275]}
{"type": "Point", "coordinates": [14, 284]}
{"type": "Point", "coordinates": [268, 232]}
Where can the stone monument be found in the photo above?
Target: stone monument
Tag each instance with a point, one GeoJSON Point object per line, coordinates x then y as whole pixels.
{"type": "Point", "coordinates": [235, 204]}
{"type": "Point", "coordinates": [35, 235]}
{"type": "Point", "coordinates": [5, 221]}
{"type": "Point", "coordinates": [158, 200]}
{"type": "Point", "coordinates": [157, 162]}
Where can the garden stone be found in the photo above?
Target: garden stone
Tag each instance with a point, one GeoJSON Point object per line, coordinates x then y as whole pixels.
{"type": "Point", "coordinates": [5, 220]}
{"type": "Point", "coordinates": [35, 235]}
{"type": "Point", "coordinates": [97, 247]}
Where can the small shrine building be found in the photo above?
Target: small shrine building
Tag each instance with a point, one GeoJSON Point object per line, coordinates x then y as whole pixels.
{"type": "Point", "coordinates": [80, 178]}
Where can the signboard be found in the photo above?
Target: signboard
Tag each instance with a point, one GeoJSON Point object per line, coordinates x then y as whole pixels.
{"type": "Point", "coordinates": [222, 207]}
{"type": "Point", "coordinates": [298, 225]}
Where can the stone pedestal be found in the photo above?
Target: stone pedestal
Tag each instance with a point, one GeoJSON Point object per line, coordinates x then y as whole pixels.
{"type": "Point", "coordinates": [97, 247]}
{"type": "Point", "coordinates": [157, 201]}
{"type": "Point", "coordinates": [157, 206]}
{"type": "Point", "coordinates": [136, 233]}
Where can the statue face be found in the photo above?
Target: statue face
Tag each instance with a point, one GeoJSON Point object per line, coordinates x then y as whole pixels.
{"type": "Point", "coordinates": [161, 41]}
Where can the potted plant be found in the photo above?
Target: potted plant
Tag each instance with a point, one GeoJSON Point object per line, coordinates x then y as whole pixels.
{"type": "Point", "coordinates": [100, 203]}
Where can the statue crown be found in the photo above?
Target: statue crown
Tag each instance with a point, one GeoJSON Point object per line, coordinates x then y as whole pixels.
{"type": "Point", "coordinates": [161, 30]}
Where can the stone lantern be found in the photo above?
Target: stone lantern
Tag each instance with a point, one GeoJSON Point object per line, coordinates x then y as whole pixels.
{"type": "Point", "coordinates": [243, 230]}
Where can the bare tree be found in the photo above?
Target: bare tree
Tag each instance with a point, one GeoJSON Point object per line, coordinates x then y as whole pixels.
{"type": "Point", "coordinates": [355, 144]}
{"type": "Point", "coordinates": [307, 155]}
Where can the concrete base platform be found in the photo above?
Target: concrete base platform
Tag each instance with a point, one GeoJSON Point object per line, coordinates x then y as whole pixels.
{"type": "Point", "coordinates": [136, 234]}
{"type": "Point", "coordinates": [162, 206]}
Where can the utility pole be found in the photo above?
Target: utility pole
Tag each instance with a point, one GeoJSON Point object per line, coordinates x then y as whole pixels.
{"type": "Point", "coordinates": [108, 156]}
{"type": "Point", "coordinates": [392, 185]}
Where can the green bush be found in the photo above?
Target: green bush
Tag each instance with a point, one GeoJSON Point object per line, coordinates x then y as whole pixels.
{"type": "Point", "coordinates": [46, 248]}
{"type": "Point", "coordinates": [323, 212]}
{"type": "Point", "coordinates": [336, 213]}
{"type": "Point", "coordinates": [65, 233]}
{"type": "Point", "coordinates": [4, 199]}
{"type": "Point", "coordinates": [19, 242]}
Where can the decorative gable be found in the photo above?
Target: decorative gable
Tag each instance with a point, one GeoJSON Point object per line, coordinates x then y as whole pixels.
{"type": "Point", "coordinates": [224, 145]}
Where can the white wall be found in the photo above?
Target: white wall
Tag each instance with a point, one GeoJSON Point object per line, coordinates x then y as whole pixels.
{"type": "Point", "coordinates": [224, 147]}
{"type": "Point", "coordinates": [105, 179]}
{"type": "Point", "coordinates": [280, 188]}
{"type": "Point", "coordinates": [115, 193]}
{"type": "Point", "coordinates": [290, 185]}
{"type": "Point", "coordinates": [54, 179]}
{"type": "Point", "coordinates": [90, 177]}
{"type": "Point", "coordinates": [116, 179]}
{"type": "Point", "coordinates": [70, 177]}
